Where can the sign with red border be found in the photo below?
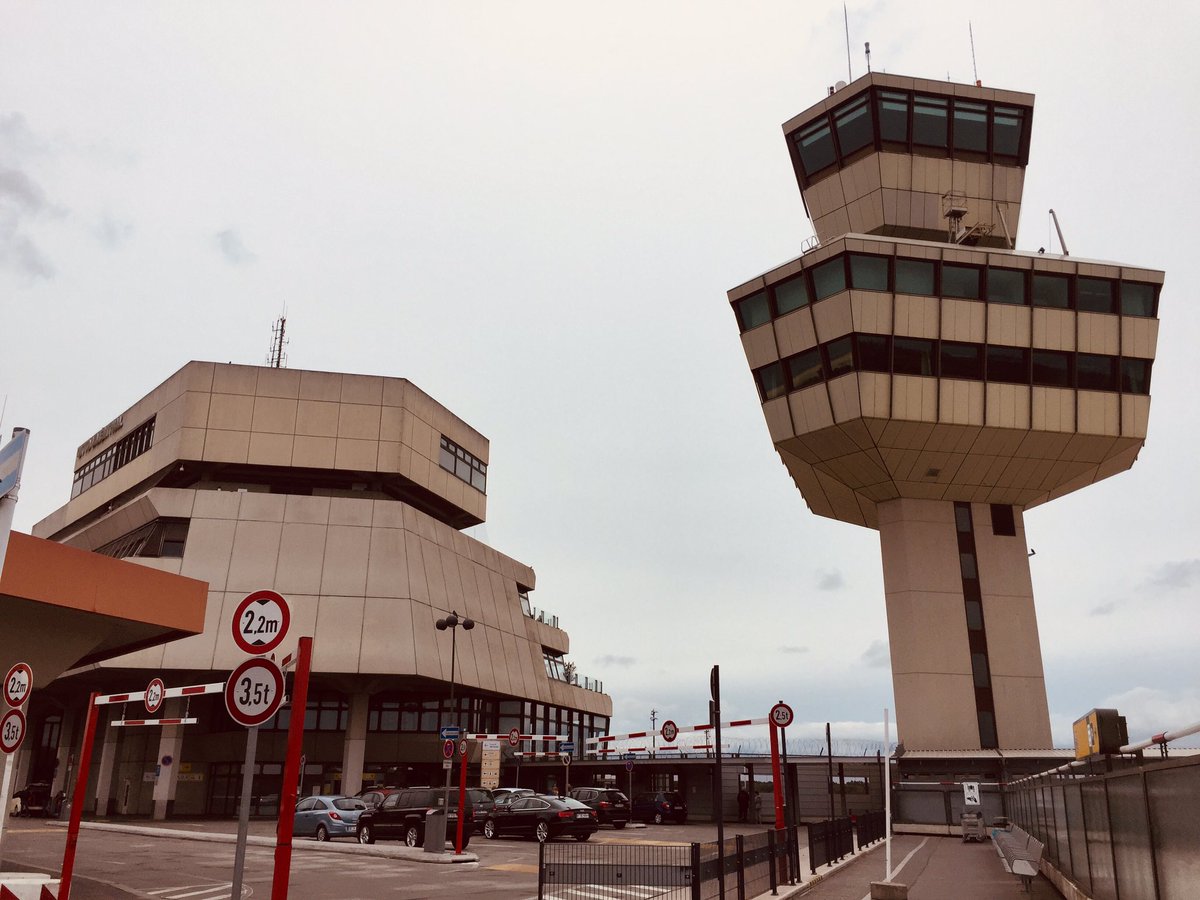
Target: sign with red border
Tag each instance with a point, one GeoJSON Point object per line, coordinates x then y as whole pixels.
{"type": "Point", "coordinates": [514, 737]}
{"type": "Point", "coordinates": [781, 715]}
{"type": "Point", "coordinates": [462, 747]}
{"type": "Point", "coordinates": [448, 750]}
{"type": "Point", "coordinates": [12, 731]}
{"type": "Point", "coordinates": [261, 622]}
{"type": "Point", "coordinates": [155, 692]}
{"type": "Point", "coordinates": [18, 683]}
{"type": "Point", "coordinates": [670, 731]}
{"type": "Point", "coordinates": [254, 691]}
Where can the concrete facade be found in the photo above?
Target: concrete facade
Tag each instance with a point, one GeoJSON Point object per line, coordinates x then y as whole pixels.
{"type": "Point", "coordinates": [346, 494]}
{"type": "Point", "coordinates": [921, 377]}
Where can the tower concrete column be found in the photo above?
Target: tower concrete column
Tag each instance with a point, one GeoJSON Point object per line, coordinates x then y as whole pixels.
{"type": "Point", "coordinates": [355, 748]}
{"type": "Point", "coordinates": [106, 760]}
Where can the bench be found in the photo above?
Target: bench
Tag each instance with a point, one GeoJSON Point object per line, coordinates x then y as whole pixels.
{"type": "Point", "coordinates": [1021, 854]}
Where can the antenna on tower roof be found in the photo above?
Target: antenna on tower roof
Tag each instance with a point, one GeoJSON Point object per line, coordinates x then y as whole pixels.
{"type": "Point", "coordinates": [974, 68]}
{"type": "Point", "coordinates": [276, 358]}
{"type": "Point", "coordinates": [868, 46]}
{"type": "Point", "coordinates": [846, 16]}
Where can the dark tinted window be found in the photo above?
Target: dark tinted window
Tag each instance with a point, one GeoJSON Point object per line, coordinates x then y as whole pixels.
{"type": "Point", "coordinates": [868, 273]}
{"type": "Point", "coordinates": [1094, 295]}
{"type": "Point", "coordinates": [770, 381]}
{"type": "Point", "coordinates": [1004, 523]}
{"type": "Point", "coordinates": [1135, 376]}
{"type": "Point", "coordinates": [979, 668]}
{"type": "Point", "coordinates": [392, 801]}
{"type": "Point", "coordinates": [912, 356]}
{"type": "Point", "coordinates": [1007, 124]}
{"type": "Point", "coordinates": [1051, 290]}
{"type": "Point", "coordinates": [829, 278]}
{"type": "Point", "coordinates": [815, 146]}
{"type": "Point", "coordinates": [960, 281]}
{"type": "Point", "coordinates": [805, 369]}
{"type": "Point", "coordinates": [1096, 373]}
{"type": "Point", "coordinates": [1008, 364]}
{"type": "Point", "coordinates": [914, 276]}
{"type": "Point", "coordinates": [987, 730]}
{"type": "Point", "coordinates": [841, 356]}
{"type": "Point", "coordinates": [961, 360]}
{"type": "Point", "coordinates": [753, 310]}
{"type": "Point", "coordinates": [790, 295]}
{"type": "Point", "coordinates": [929, 121]}
{"type": "Point", "coordinates": [1052, 368]}
{"type": "Point", "coordinates": [349, 803]}
{"type": "Point", "coordinates": [874, 353]}
{"type": "Point", "coordinates": [893, 116]}
{"type": "Point", "coordinates": [970, 126]}
{"type": "Point", "coordinates": [854, 128]}
{"type": "Point", "coordinates": [1137, 299]}
{"type": "Point", "coordinates": [974, 615]}
{"type": "Point", "coordinates": [1006, 286]}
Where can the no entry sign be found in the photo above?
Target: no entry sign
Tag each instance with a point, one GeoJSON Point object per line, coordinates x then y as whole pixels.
{"type": "Point", "coordinates": [254, 691]}
{"type": "Point", "coordinates": [261, 622]}
{"type": "Point", "coordinates": [17, 684]}
{"type": "Point", "coordinates": [12, 730]}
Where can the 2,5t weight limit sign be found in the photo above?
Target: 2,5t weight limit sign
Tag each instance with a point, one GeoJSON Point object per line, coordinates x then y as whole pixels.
{"type": "Point", "coordinates": [260, 622]}
{"type": "Point", "coordinates": [254, 692]}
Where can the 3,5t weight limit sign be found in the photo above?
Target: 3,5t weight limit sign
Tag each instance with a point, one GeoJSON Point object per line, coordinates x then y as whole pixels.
{"type": "Point", "coordinates": [254, 692]}
{"type": "Point", "coordinates": [260, 622]}
{"type": "Point", "coordinates": [12, 731]}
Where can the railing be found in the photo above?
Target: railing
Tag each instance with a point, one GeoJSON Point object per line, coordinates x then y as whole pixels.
{"type": "Point", "coordinates": [747, 865]}
{"type": "Point", "coordinates": [829, 841]}
{"type": "Point", "coordinates": [870, 827]}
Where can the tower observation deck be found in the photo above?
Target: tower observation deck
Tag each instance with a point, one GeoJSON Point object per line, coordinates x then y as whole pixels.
{"type": "Point", "coordinates": [921, 377]}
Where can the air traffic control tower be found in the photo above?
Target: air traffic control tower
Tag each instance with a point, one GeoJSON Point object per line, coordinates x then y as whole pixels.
{"type": "Point", "coordinates": [921, 377]}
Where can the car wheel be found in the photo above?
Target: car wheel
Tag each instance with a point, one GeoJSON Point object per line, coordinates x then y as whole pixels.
{"type": "Point", "coordinates": [412, 836]}
{"type": "Point", "coordinates": [658, 818]}
{"type": "Point", "coordinates": [466, 841]}
{"type": "Point", "coordinates": [584, 836]}
{"type": "Point", "coordinates": [365, 834]}
{"type": "Point", "coordinates": [618, 825]}
{"type": "Point", "coordinates": [322, 833]}
{"type": "Point", "coordinates": [542, 832]}
{"type": "Point", "coordinates": [489, 830]}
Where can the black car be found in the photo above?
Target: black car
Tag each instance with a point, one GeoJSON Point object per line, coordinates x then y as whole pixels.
{"type": "Point", "coordinates": [505, 796]}
{"type": "Point", "coordinates": [372, 797]}
{"type": "Point", "coordinates": [611, 806]}
{"type": "Point", "coordinates": [481, 805]}
{"type": "Point", "coordinates": [401, 816]}
{"type": "Point", "coordinates": [659, 807]}
{"type": "Point", "coordinates": [542, 818]}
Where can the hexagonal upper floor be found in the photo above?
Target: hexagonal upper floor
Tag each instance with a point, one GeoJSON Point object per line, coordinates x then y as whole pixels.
{"type": "Point", "coordinates": [892, 368]}
{"type": "Point", "coordinates": [914, 158]}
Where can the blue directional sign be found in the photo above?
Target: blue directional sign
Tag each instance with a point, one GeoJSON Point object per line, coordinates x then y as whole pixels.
{"type": "Point", "coordinates": [566, 746]}
{"type": "Point", "coordinates": [628, 756]}
{"type": "Point", "coordinates": [449, 732]}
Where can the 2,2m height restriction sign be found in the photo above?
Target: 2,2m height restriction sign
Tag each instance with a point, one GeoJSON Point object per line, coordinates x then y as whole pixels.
{"type": "Point", "coordinates": [17, 684]}
{"type": "Point", "coordinates": [254, 691]}
{"type": "Point", "coordinates": [260, 622]}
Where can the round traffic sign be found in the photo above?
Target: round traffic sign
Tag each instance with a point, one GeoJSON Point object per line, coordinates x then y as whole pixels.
{"type": "Point", "coordinates": [448, 749]}
{"type": "Point", "coordinates": [670, 731]}
{"type": "Point", "coordinates": [566, 758]}
{"type": "Point", "coordinates": [514, 737]}
{"type": "Point", "coordinates": [781, 715]}
{"type": "Point", "coordinates": [629, 765]}
{"type": "Point", "coordinates": [254, 691]}
{"type": "Point", "coordinates": [17, 684]}
{"type": "Point", "coordinates": [154, 695]}
{"type": "Point", "coordinates": [462, 747]}
{"type": "Point", "coordinates": [12, 730]}
{"type": "Point", "coordinates": [260, 622]}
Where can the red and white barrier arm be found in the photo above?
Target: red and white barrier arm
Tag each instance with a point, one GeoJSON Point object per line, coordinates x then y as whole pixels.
{"type": "Point", "coordinates": [130, 722]}
{"type": "Point", "coordinates": [194, 690]}
{"type": "Point", "coordinates": [524, 737]}
{"type": "Point", "coordinates": [734, 723]}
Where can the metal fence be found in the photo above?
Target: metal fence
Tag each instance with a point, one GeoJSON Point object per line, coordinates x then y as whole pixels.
{"type": "Point", "coordinates": [752, 865]}
{"type": "Point", "coordinates": [1129, 834]}
{"type": "Point", "coordinates": [870, 827]}
{"type": "Point", "coordinates": [829, 841]}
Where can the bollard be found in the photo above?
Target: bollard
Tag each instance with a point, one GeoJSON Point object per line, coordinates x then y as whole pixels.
{"type": "Point", "coordinates": [886, 890]}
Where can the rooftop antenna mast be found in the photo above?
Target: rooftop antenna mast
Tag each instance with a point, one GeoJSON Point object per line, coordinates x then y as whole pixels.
{"type": "Point", "coordinates": [974, 68]}
{"type": "Point", "coordinates": [276, 358]}
{"type": "Point", "coordinates": [868, 46]}
{"type": "Point", "coordinates": [849, 71]}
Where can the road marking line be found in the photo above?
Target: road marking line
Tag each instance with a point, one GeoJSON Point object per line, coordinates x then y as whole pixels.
{"type": "Point", "coordinates": [184, 887]}
{"type": "Point", "coordinates": [208, 890]}
{"type": "Point", "coordinates": [903, 862]}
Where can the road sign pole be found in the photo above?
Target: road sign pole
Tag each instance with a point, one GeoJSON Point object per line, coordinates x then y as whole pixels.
{"type": "Point", "coordinates": [291, 772]}
{"type": "Point", "coordinates": [81, 780]}
{"type": "Point", "coordinates": [779, 823]}
{"type": "Point", "coordinates": [5, 793]}
{"type": "Point", "coordinates": [462, 801]}
{"type": "Point", "coordinates": [714, 683]}
{"type": "Point", "coordinates": [239, 855]}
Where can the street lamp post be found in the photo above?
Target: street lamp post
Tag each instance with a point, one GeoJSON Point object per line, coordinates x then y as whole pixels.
{"type": "Point", "coordinates": [452, 622]}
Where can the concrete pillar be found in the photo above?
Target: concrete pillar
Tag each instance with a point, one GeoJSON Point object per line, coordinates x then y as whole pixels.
{"type": "Point", "coordinates": [355, 749]}
{"type": "Point", "coordinates": [170, 746]}
{"type": "Point", "coordinates": [106, 759]}
{"type": "Point", "coordinates": [68, 753]}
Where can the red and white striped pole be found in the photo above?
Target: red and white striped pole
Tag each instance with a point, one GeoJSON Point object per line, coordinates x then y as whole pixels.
{"type": "Point", "coordinates": [80, 797]}
{"type": "Point", "coordinates": [291, 772]}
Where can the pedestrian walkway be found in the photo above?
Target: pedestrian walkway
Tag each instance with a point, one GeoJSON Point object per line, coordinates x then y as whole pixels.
{"type": "Point", "coordinates": [934, 868]}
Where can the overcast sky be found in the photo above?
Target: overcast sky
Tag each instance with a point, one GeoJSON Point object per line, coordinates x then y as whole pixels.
{"type": "Point", "coordinates": [533, 211]}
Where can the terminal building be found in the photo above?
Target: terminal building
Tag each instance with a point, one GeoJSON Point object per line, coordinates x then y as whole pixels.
{"type": "Point", "coordinates": [349, 495]}
{"type": "Point", "coordinates": [922, 377]}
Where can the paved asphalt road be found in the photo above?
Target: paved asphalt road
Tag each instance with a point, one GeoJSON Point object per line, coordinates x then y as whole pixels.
{"type": "Point", "coordinates": [116, 866]}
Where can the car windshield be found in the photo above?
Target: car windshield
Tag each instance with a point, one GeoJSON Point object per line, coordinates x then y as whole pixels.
{"type": "Point", "coordinates": [614, 796]}
{"type": "Point", "coordinates": [349, 803]}
{"type": "Point", "coordinates": [477, 795]}
{"type": "Point", "coordinates": [572, 804]}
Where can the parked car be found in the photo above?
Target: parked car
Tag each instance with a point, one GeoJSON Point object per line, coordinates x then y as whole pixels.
{"type": "Point", "coordinates": [505, 796]}
{"type": "Point", "coordinates": [659, 807]}
{"type": "Point", "coordinates": [401, 816]}
{"type": "Point", "coordinates": [327, 816]}
{"type": "Point", "coordinates": [372, 797]}
{"type": "Point", "coordinates": [611, 806]}
{"type": "Point", "coordinates": [541, 818]}
{"type": "Point", "coordinates": [481, 805]}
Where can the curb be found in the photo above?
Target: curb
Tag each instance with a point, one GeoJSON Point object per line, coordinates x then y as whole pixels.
{"type": "Point", "coordinates": [411, 854]}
